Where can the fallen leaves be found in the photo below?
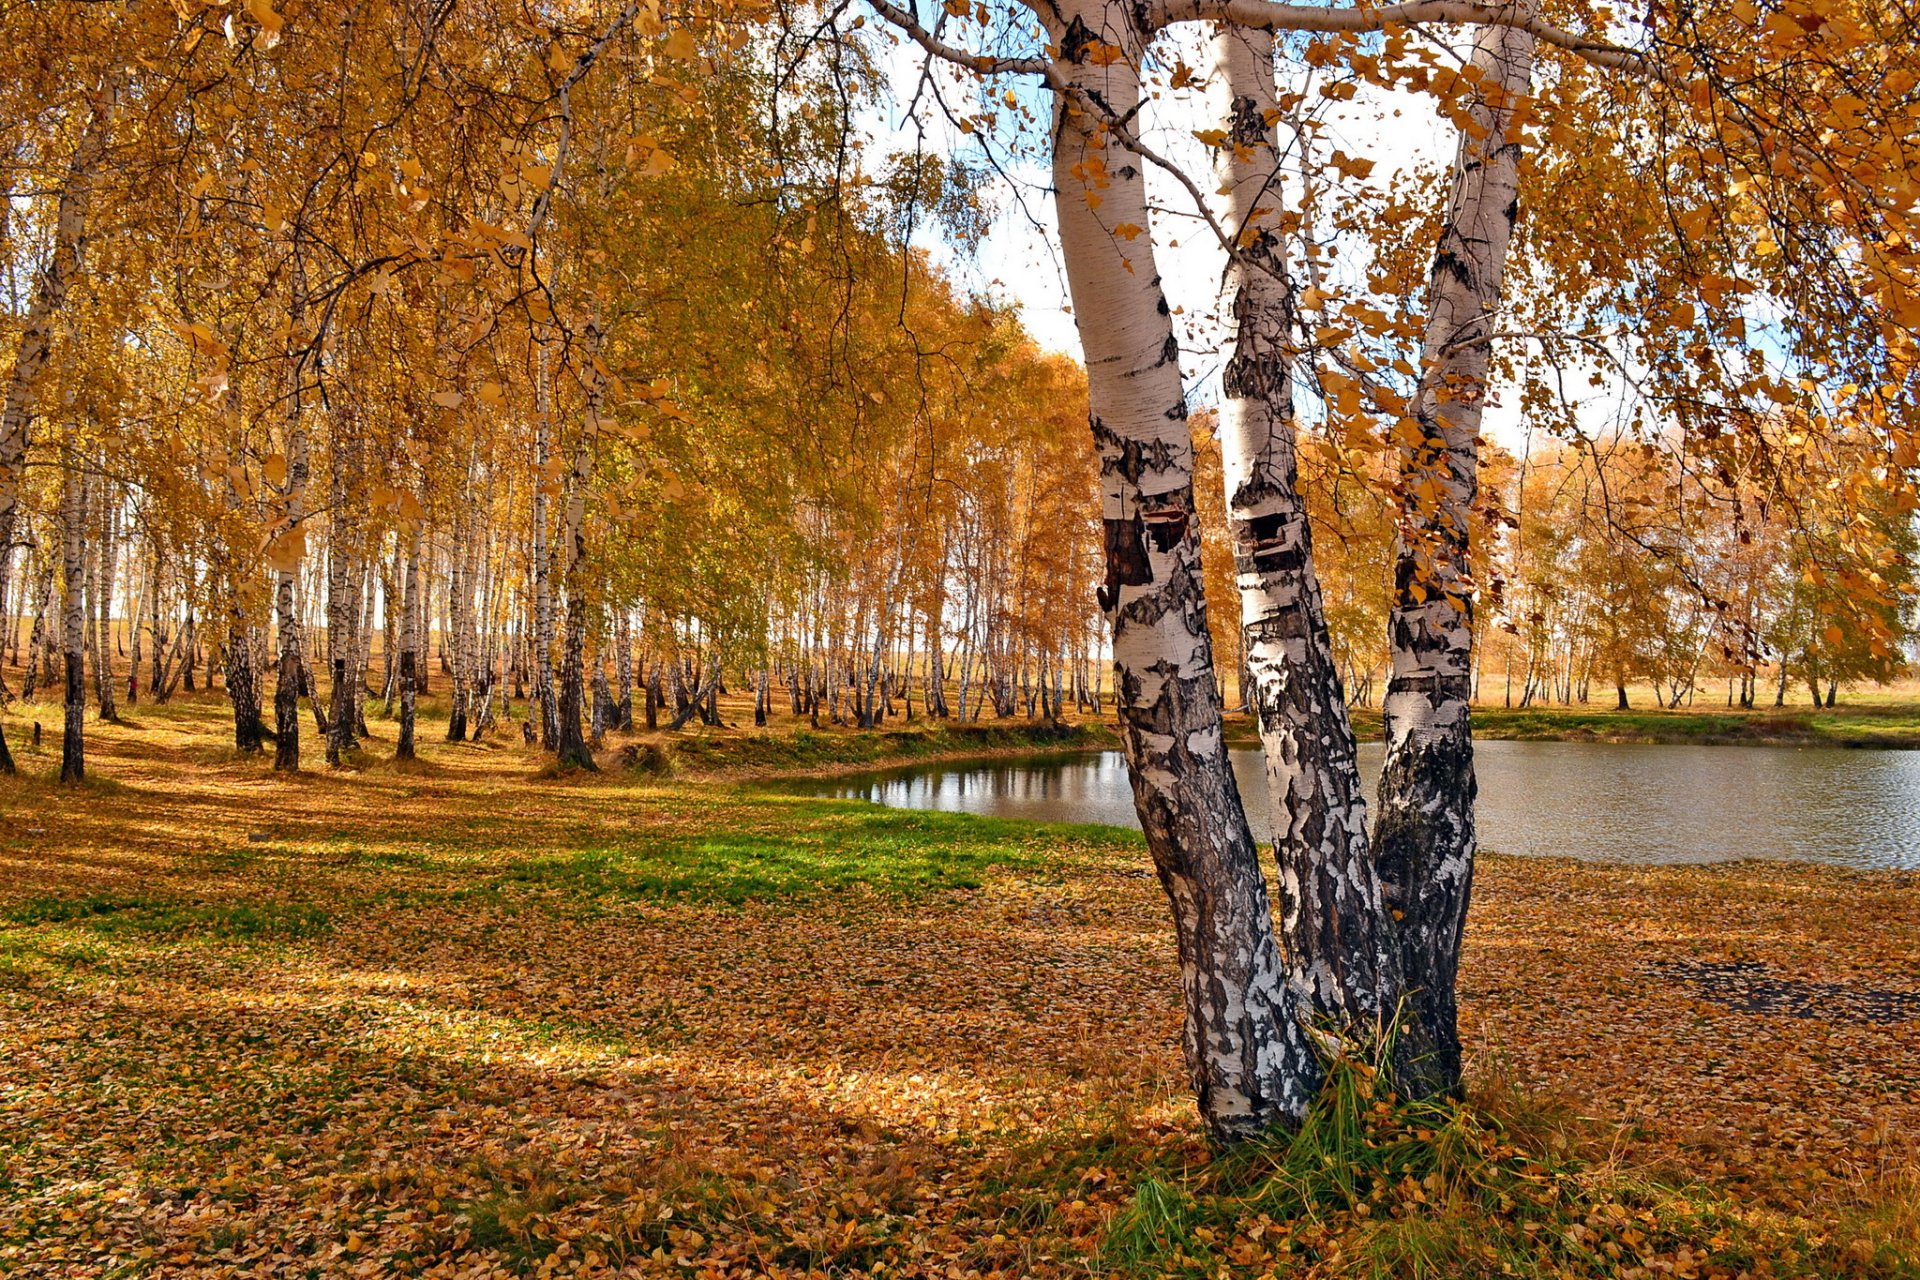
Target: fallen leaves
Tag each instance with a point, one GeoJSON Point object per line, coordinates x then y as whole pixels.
{"type": "Point", "coordinates": [467, 1026]}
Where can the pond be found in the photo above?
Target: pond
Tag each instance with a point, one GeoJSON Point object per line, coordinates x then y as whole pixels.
{"type": "Point", "coordinates": [1604, 802]}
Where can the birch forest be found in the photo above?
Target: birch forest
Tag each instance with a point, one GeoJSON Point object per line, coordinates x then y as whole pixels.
{"type": "Point", "coordinates": [990, 638]}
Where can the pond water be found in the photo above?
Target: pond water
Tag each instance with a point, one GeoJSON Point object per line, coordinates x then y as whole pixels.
{"type": "Point", "coordinates": [1603, 802]}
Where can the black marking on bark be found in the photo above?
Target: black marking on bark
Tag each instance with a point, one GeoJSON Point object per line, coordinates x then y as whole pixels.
{"type": "Point", "coordinates": [1271, 558]}
{"type": "Point", "coordinates": [1127, 564]}
{"type": "Point", "coordinates": [1075, 41]}
{"type": "Point", "coordinates": [1447, 262]}
{"type": "Point", "coordinates": [1436, 688]}
{"type": "Point", "coordinates": [1255, 377]}
{"type": "Point", "coordinates": [1133, 459]}
{"type": "Point", "coordinates": [1166, 526]}
{"type": "Point", "coordinates": [1290, 623]}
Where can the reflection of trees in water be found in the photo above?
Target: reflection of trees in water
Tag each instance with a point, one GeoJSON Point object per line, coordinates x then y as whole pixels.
{"type": "Point", "coordinates": [1584, 800]}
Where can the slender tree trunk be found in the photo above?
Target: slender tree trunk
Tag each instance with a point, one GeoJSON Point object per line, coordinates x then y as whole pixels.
{"type": "Point", "coordinates": [460, 614]}
{"type": "Point", "coordinates": [291, 674]}
{"type": "Point", "coordinates": [1339, 944]}
{"type": "Point", "coordinates": [1249, 1061]}
{"type": "Point", "coordinates": [343, 603]}
{"type": "Point", "coordinates": [412, 645]}
{"type": "Point", "coordinates": [1424, 840]}
{"type": "Point", "coordinates": [623, 669]}
{"type": "Point", "coordinates": [51, 285]}
{"type": "Point", "coordinates": [571, 747]}
{"type": "Point", "coordinates": [136, 634]}
{"type": "Point", "coordinates": [543, 690]}
{"type": "Point", "coordinates": [73, 621]}
{"type": "Point", "coordinates": [156, 634]}
{"type": "Point", "coordinates": [105, 566]}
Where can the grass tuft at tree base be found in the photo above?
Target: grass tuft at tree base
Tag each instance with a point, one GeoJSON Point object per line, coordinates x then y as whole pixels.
{"type": "Point", "coordinates": [1501, 1185]}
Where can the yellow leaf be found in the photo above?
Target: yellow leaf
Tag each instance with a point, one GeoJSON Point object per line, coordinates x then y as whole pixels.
{"type": "Point", "coordinates": [286, 549]}
{"type": "Point", "coordinates": [1127, 231]}
{"type": "Point", "coordinates": [679, 44]}
{"type": "Point", "coordinates": [262, 11]}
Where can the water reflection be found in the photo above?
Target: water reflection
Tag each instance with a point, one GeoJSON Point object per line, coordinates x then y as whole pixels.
{"type": "Point", "coordinates": [1583, 800]}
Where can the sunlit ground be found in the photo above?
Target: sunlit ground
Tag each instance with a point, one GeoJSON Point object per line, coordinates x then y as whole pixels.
{"type": "Point", "coordinates": [470, 1019]}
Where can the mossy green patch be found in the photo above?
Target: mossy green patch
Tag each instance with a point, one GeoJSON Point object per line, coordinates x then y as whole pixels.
{"type": "Point", "coordinates": [109, 915]}
{"type": "Point", "coordinates": [819, 847]}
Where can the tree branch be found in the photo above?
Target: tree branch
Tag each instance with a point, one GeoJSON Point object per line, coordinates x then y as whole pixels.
{"type": "Point", "coordinates": [1277, 15]}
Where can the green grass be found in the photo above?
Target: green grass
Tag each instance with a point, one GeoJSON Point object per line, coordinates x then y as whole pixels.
{"type": "Point", "coordinates": [118, 915]}
{"type": "Point", "coordinates": [1862, 724]}
{"type": "Point", "coordinates": [801, 749]}
{"type": "Point", "coordinates": [817, 847]}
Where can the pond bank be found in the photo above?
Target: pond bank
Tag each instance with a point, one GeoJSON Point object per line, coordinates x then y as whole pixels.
{"type": "Point", "coordinates": [1886, 725]}
{"type": "Point", "coordinates": [789, 750]}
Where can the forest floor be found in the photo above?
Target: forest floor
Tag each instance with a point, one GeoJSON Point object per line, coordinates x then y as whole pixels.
{"type": "Point", "coordinates": [469, 1018]}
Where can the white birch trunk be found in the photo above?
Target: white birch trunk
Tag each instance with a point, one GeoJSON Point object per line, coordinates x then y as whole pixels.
{"type": "Point", "coordinates": [73, 620]}
{"type": "Point", "coordinates": [1340, 950]}
{"type": "Point", "coordinates": [1424, 839]}
{"type": "Point", "coordinates": [1249, 1061]}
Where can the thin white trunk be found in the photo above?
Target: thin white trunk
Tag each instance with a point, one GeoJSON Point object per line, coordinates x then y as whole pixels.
{"type": "Point", "coordinates": [1249, 1062]}
{"type": "Point", "coordinates": [1339, 943]}
{"type": "Point", "coordinates": [1425, 837]}
{"type": "Point", "coordinates": [50, 287]}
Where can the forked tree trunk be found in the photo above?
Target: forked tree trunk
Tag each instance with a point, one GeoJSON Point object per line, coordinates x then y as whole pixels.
{"type": "Point", "coordinates": [1340, 947]}
{"type": "Point", "coordinates": [1424, 839]}
{"type": "Point", "coordinates": [1248, 1058]}
{"type": "Point", "coordinates": [73, 621]}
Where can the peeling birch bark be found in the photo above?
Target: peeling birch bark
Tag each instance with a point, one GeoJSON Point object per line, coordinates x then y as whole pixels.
{"type": "Point", "coordinates": [1424, 838]}
{"type": "Point", "coordinates": [1339, 945]}
{"type": "Point", "coordinates": [1248, 1057]}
